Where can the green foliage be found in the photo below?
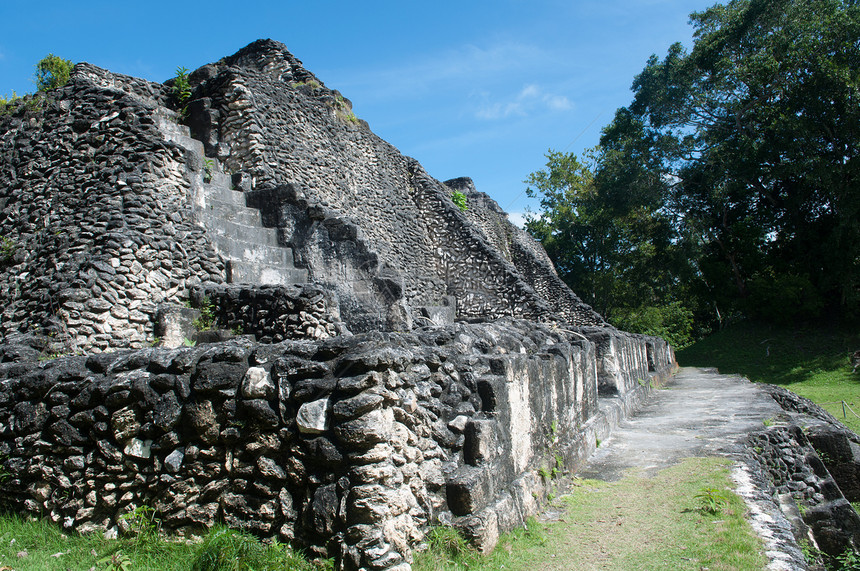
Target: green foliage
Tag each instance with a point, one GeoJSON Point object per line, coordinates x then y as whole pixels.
{"type": "Point", "coordinates": [460, 200]}
{"type": "Point", "coordinates": [208, 166]}
{"type": "Point", "coordinates": [52, 72]}
{"type": "Point", "coordinates": [6, 102]}
{"type": "Point", "coordinates": [749, 143]}
{"type": "Point", "coordinates": [225, 549]}
{"type": "Point", "coordinates": [142, 523]}
{"type": "Point", "coordinates": [8, 247]}
{"type": "Point", "coordinates": [447, 541]}
{"type": "Point", "coordinates": [848, 560]}
{"type": "Point", "coordinates": [673, 322]}
{"type": "Point", "coordinates": [181, 86]}
{"type": "Point", "coordinates": [207, 315]}
{"type": "Point", "coordinates": [313, 84]}
{"type": "Point", "coordinates": [616, 251]}
{"type": "Point", "coordinates": [728, 185]}
{"type": "Point", "coordinates": [115, 562]}
{"type": "Point", "coordinates": [47, 547]}
{"type": "Point", "coordinates": [712, 500]}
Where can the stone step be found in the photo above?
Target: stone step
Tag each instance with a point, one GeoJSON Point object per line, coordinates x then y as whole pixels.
{"type": "Point", "coordinates": [232, 212]}
{"type": "Point", "coordinates": [179, 134]}
{"type": "Point", "coordinates": [241, 232]}
{"type": "Point", "coordinates": [231, 248]}
{"type": "Point", "coordinates": [248, 272]}
{"type": "Point", "coordinates": [223, 192]}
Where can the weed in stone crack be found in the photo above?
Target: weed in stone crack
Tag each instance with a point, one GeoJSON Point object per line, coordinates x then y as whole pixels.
{"type": "Point", "coordinates": [207, 316]}
{"type": "Point", "coordinates": [459, 200]}
{"type": "Point", "coordinates": [8, 247]}
{"type": "Point", "coordinates": [208, 165]}
{"type": "Point", "coordinates": [545, 473]}
{"type": "Point", "coordinates": [847, 560]}
{"type": "Point", "coordinates": [182, 89]}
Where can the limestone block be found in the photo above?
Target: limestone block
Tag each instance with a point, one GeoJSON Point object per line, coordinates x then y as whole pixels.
{"type": "Point", "coordinates": [173, 462]}
{"type": "Point", "coordinates": [125, 424]}
{"type": "Point", "coordinates": [138, 448]}
{"type": "Point", "coordinates": [258, 384]}
{"type": "Point", "coordinates": [368, 430]}
{"type": "Point", "coordinates": [314, 417]}
{"type": "Point", "coordinates": [481, 443]}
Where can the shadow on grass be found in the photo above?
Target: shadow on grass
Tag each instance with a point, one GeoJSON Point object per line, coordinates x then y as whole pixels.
{"type": "Point", "coordinates": [778, 356]}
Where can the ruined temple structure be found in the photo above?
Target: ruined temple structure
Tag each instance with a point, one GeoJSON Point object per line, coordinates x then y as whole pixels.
{"type": "Point", "coordinates": [246, 307]}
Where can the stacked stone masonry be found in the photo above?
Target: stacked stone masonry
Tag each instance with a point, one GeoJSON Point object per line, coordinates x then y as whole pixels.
{"type": "Point", "coordinates": [95, 215]}
{"type": "Point", "coordinates": [811, 463]}
{"type": "Point", "coordinates": [384, 361]}
{"type": "Point", "coordinates": [350, 446]}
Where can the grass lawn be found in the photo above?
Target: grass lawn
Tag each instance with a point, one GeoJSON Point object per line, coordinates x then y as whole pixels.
{"type": "Point", "coordinates": [41, 545]}
{"type": "Point", "coordinates": [813, 363]}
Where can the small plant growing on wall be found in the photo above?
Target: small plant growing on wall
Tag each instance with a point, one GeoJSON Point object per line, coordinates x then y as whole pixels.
{"type": "Point", "coordinates": [460, 200]}
{"type": "Point", "coordinates": [182, 89]}
{"type": "Point", "coordinates": [207, 316]}
{"type": "Point", "coordinates": [208, 165]}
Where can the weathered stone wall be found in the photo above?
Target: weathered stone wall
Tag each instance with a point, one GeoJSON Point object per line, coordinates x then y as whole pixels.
{"type": "Point", "coordinates": [95, 212]}
{"type": "Point", "coordinates": [525, 253]}
{"type": "Point", "coordinates": [338, 256]}
{"type": "Point", "coordinates": [271, 313]}
{"type": "Point", "coordinates": [260, 111]}
{"type": "Point", "coordinates": [352, 445]}
{"type": "Point", "coordinates": [812, 463]}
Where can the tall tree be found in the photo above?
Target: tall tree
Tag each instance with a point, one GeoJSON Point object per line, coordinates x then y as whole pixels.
{"type": "Point", "coordinates": [613, 249]}
{"type": "Point", "coordinates": [749, 144]}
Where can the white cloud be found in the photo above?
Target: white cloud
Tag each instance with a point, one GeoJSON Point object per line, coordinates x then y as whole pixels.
{"type": "Point", "coordinates": [466, 65]}
{"type": "Point", "coordinates": [518, 219]}
{"type": "Point", "coordinates": [531, 98]}
{"type": "Point", "coordinates": [558, 102]}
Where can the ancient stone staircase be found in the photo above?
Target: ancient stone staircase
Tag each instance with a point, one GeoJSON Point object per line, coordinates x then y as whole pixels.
{"type": "Point", "coordinates": [251, 251]}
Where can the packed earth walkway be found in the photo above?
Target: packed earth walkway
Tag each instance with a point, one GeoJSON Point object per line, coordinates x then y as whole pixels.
{"type": "Point", "coordinates": [702, 413]}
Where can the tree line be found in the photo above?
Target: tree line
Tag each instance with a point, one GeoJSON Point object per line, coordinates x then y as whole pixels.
{"type": "Point", "coordinates": [728, 188]}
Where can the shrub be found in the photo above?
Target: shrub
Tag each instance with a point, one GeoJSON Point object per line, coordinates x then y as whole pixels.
{"type": "Point", "coordinates": [672, 322]}
{"type": "Point", "coordinates": [460, 200]}
{"type": "Point", "coordinates": [52, 72]}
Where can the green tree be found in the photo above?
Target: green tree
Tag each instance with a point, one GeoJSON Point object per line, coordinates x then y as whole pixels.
{"type": "Point", "coordinates": [52, 72]}
{"type": "Point", "coordinates": [749, 143]}
{"type": "Point", "coordinates": [614, 250]}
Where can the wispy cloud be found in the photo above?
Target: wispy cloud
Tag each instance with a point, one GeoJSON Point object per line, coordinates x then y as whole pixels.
{"type": "Point", "coordinates": [531, 98]}
{"type": "Point", "coordinates": [466, 66]}
{"type": "Point", "coordinates": [517, 219]}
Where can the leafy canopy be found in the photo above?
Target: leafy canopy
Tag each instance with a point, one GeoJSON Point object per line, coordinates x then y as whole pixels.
{"type": "Point", "coordinates": [744, 153]}
{"type": "Point", "coordinates": [52, 72]}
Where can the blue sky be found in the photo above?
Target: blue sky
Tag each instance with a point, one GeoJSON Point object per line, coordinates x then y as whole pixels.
{"type": "Point", "coordinates": [480, 89]}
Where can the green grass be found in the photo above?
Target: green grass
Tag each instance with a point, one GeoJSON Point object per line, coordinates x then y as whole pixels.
{"type": "Point", "coordinates": [637, 523]}
{"type": "Point", "coordinates": [813, 363]}
{"type": "Point", "coordinates": [41, 545]}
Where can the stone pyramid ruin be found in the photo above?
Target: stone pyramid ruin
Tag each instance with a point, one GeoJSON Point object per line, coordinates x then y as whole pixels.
{"type": "Point", "coordinates": [246, 307]}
